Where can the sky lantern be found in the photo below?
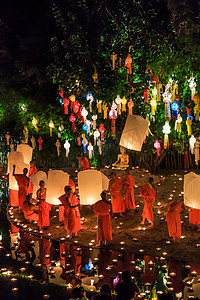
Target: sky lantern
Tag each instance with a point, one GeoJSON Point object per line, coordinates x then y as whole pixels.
{"type": "Point", "coordinates": [192, 85]}
{"type": "Point", "coordinates": [27, 152]}
{"type": "Point", "coordinates": [102, 130]}
{"type": "Point", "coordinates": [146, 93]}
{"type": "Point", "coordinates": [124, 101]}
{"type": "Point", "coordinates": [134, 133]}
{"type": "Point", "coordinates": [192, 190]}
{"type": "Point", "coordinates": [94, 118]}
{"type": "Point", "coordinates": [34, 122]}
{"type": "Point", "coordinates": [65, 103]}
{"type": "Point", "coordinates": [113, 117]}
{"type": "Point", "coordinates": [192, 142]}
{"type": "Point", "coordinates": [73, 119]}
{"type": "Point", "coordinates": [118, 101]}
{"type": "Point", "coordinates": [166, 131]}
{"type": "Point", "coordinates": [90, 150]}
{"type": "Point", "coordinates": [90, 99]}
{"type": "Point", "coordinates": [56, 182]}
{"type": "Point", "coordinates": [51, 126]}
{"type": "Point", "coordinates": [67, 147]}
{"type": "Point", "coordinates": [157, 146]}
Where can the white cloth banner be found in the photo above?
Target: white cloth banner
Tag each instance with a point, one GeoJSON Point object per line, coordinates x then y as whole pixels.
{"type": "Point", "coordinates": [192, 190]}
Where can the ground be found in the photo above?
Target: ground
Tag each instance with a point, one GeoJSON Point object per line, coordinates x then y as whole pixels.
{"type": "Point", "coordinates": [128, 234]}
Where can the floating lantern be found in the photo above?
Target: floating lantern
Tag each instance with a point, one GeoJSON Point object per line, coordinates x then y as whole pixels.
{"type": "Point", "coordinates": [94, 118]}
{"type": "Point", "coordinates": [118, 101]}
{"type": "Point", "coordinates": [57, 180]}
{"type": "Point", "coordinates": [90, 150]}
{"type": "Point", "coordinates": [51, 126]}
{"type": "Point", "coordinates": [96, 135]}
{"type": "Point", "coordinates": [192, 142]}
{"type": "Point", "coordinates": [192, 85]}
{"type": "Point", "coordinates": [166, 131]}
{"type": "Point", "coordinates": [157, 146]}
{"type": "Point", "coordinates": [84, 113]}
{"type": "Point", "coordinates": [146, 93]}
{"type": "Point", "coordinates": [192, 190]}
{"type": "Point", "coordinates": [27, 152]}
{"type": "Point", "coordinates": [90, 98]}
{"type": "Point", "coordinates": [73, 119]}
{"type": "Point", "coordinates": [99, 102]}
{"type": "Point", "coordinates": [40, 141]}
{"type": "Point", "coordinates": [105, 109]}
{"type": "Point", "coordinates": [124, 101]}
{"type": "Point", "coordinates": [67, 147]}
{"type": "Point", "coordinates": [34, 122]}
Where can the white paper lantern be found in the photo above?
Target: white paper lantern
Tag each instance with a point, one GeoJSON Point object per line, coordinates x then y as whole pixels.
{"type": "Point", "coordinates": [192, 190]}
{"type": "Point", "coordinates": [134, 133]}
{"type": "Point", "coordinates": [35, 179]}
{"type": "Point", "coordinates": [27, 152]}
{"type": "Point", "coordinates": [91, 183]}
{"type": "Point", "coordinates": [56, 182]}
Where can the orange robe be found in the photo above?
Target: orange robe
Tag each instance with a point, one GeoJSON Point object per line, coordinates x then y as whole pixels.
{"type": "Point", "coordinates": [116, 196]}
{"type": "Point", "coordinates": [129, 192]}
{"type": "Point", "coordinates": [72, 218]}
{"type": "Point", "coordinates": [173, 219]}
{"type": "Point", "coordinates": [22, 182]}
{"type": "Point", "coordinates": [44, 251]}
{"type": "Point", "coordinates": [32, 171]}
{"type": "Point", "coordinates": [44, 209]}
{"type": "Point", "coordinates": [84, 163]}
{"type": "Point", "coordinates": [194, 216]}
{"type": "Point", "coordinates": [28, 210]}
{"type": "Point", "coordinates": [149, 194]}
{"type": "Point", "coordinates": [71, 184]}
{"type": "Point", "coordinates": [102, 209]}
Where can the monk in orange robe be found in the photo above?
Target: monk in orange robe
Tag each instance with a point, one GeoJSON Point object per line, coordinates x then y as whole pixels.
{"type": "Point", "coordinates": [173, 219]}
{"type": "Point", "coordinates": [102, 208]}
{"type": "Point", "coordinates": [115, 186]}
{"type": "Point", "coordinates": [84, 162]}
{"type": "Point", "coordinates": [72, 219]}
{"type": "Point", "coordinates": [28, 210]}
{"type": "Point", "coordinates": [149, 192]}
{"type": "Point", "coordinates": [32, 171]}
{"type": "Point", "coordinates": [128, 184]}
{"type": "Point", "coordinates": [194, 217]}
{"type": "Point", "coordinates": [22, 181]}
{"type": "Point", "coordinates": [44, 207]}
{"type": "Point", "coordinates": [71, 184]}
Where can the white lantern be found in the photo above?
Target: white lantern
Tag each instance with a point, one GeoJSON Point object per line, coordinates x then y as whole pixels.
{"type": "Point", "coordinates": [84, 113]}
{"type": "Point", "coordinates": [88, 123]}
{"type": "Point", "coordinates": [35, 179]}
{"type": "Point", "coordinates": [99, 144]}
{"type": "Point", "coordinates": [27, 152]}
{"type": "Point", "coordinates": [96, 135]}
{"type": "Point", "coordinates": [67, 147]}
{"type": "Point", "coordinates": [90, 149]}
{"type": "Point", "coordinates": [90, 98]}
{"type": "Point", "coordinates": [192, 85]}
{"type": "Point", "coordinates": [56, 182]}
{"type": "Point", "coordinates": [166, 131]}
{"type": "Point", "coordinates": [94, 118]}
{"type": "Point", "coordinates": [118, 101]}
{"type": "Point", "coordinates": [192, 142]}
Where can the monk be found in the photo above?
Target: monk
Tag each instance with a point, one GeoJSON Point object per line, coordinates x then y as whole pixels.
{"type": "Point", "coordinates": [32, 170]}
{"type": "Point", "coordinates": [22, 181]}
{"type": "Point", "coordinates": [194, 218]}
{"type": "Point", "coordinates": [72, 219]}
{"type": "Point", "coordinates": [102, 208]}
{"type": "Point", "coordinates": [44, 207]}
{"type": "Point", "coordinates": [71, 184]}
{"type": "Point", "coordinates": [128, 184]}
{"type": "Point", "coordinates": [173, 219]}
{"type": "Point", "coordinates": [84, 162]}
{"type": "Point", "coordinates": [28, 210]}
{"type": "Point", "coordinates": [149, 192]}
{"type": "Point", "coordinates": [115, 186]}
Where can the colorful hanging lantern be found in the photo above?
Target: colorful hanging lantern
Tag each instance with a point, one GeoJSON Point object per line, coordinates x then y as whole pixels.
{"type": "Point", "coordinates": [154, 93]}
{"type": "Point", "coordinates": [157, 146]}
{"type": "Point", "coordinates": [51, 126]}
{"type": "Point", "coordinates": [189, 125]}
{"type": "Point", "coordinates": [96, 136]}
{"type": "Point", "coordinates": [124, 101]}
{"type": "Point", "coordinates": [84, 114]}
{"type": "Point", "coordinates": [196, 151]}
{"type": "Point", "coordinates": [102, 130]}
{"type": "Point", "coordinates": [99, 144]}
{"type": "Point", "coordinates": [175, 108]}
{"type": "Point", "coordinates": [130, 107]}
{"type": "Point", "coordinates": [88, 123]}
{"type": "Point", "coordinates": [85, 128]}
{"type": "Point", "coordinates": [84, 142]}
{"type": "Point", "coordinates": [65, 103]}
{"type": "Point", "coordinates": [149, 124]}
{"type": "Point", "coordinates": [192, 142]}
{"type": "Point", "coordinates": [34, 122]}
{"type": "Point", "coordinates": [40, 141]}
{"type": "Point", "coordinates": [61, 94]}
{"type": "Point", "coordinates": [105, 109]}
{"type": "Point", "coordinates": [72, 99]}
{"type": "Point", "coordinates": [197, 107]}
{"type": "Point", "coordinates": [79, 141]}
{"type": "Point", "coordinates": [153, 107]}
{"type": "Point", "coordinates": [178, 123]}
{"type": "Point", "coordinates": [113, 58]}
{"type": "Point", "coordinates": [90, 98]}
{"type": "Point", "coordinates": [113, 117]}
{"type": "Point", "coordinates": [76, 107]}
{"type": "Point", "coordinates": [146, 93]}
{"type": "Point", "coordinates": [67, 147]}
{"type": "Point", "coordinates": [94, 118]}
{"type": "Point", "coordinates": [61, 127]}
{"type": "Point", "coordinates": [118, 101]}
{"type": "Point", "coordinates": [128, 62]}
{"type": "Point", "coordinates": [167, 98]}
{"type": "Point", "coordinates": [90, 150]}
{"type": "Point", "coordinates": [166, 131]}
{"type": "Point", "coordinates": [192, 85]}
{"type": "Point", "coordinates": [99, 102]}
{"type": "Point", "coordinates": [73, 119]}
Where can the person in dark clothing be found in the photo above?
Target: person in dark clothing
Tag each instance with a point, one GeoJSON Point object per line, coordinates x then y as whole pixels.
{"type": "Point", "coordinates": [105, 293]}
{"type": "Point", "coordinates": [126, 289]}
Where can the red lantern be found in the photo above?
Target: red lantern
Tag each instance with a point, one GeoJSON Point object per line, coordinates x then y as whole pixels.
{"type": "Point", "coordinates": [79, 141]}
{"type": "Point", "coordinates": [146, 93]}
{"type": "Point", "coordinates": [128, 63]}
{"type": "Point", "coordinates": [61, 94]}
{"type": "Point", "coordinates": [40, 141]}
{"type": "Point", "coordinates": [102, 130]}
{"type": "Point", "coordinates": [76, 107]}
{"type": "Point", "coordinates": [65, 103]}
{"type": "Point", "coordinates": [73, 119]}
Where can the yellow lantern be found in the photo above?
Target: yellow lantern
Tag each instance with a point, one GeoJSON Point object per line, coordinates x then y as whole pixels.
{"type": "Point", "coordinates": [124, 101]}
{"type": "Point", "coordinates": [34, 122]}
{"type": "Point", "coordinates": [51, 126]}
{"type": "Point", "coordinates": [105, 109]}
{"type": "Point", "coordinates": [153, 107]}
{"type": "Point", "coordinates": [99, 106]}
{"type": "Point", "coordinates": [189, 125]}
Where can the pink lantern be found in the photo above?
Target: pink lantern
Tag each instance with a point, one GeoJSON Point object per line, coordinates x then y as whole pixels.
{"type": "Point", "coordinates": [73, 119]}
{"type": "Point", "coordinates": [157, 146]}
{"type": "Point", "coordinates": [102, 130]}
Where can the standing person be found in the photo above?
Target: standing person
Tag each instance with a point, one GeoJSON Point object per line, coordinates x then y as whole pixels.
{"type": "Point", "coordinates": [71, 184]}
{"type": "Point", "coordinates": [128, 184]}
{"type": "Point", "coordinates": [194, 217]}
{"type": "Point", "coordinates": [115, 186]}
{"type": "Point", "coordinates": [149, 192]}
{"type": "Point", "coordinates": [102, 208]}
{"type": "Point", "coordinates": [72, 219]}
{"type": "Point", "coordinates": [44, 207]}
{"type": "Point", "coordinates": [22, 181]}
{"type": "Point", "coordinates": [173, 219]}
{"type": "Point", "coordinates": [126, 289]}
{"type": "Point", "coordinates": [105, 293]}
{"type": "Point", "coordinates": [84, 162]}
{"type": "Point", "coordinates": [32, 170]}
{"type": "Point", "coordinates": [28, 210]}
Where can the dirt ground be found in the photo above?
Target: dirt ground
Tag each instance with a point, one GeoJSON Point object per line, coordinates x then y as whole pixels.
{"type": "Point", "coordinates": [128, 234]}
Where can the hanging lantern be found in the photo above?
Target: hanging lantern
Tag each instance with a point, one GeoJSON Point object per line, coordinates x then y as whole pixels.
{"type": "Point", "coordinates": [95, 76]}
{"type": "Point", "coordinates": [128, 62]}
{"type": "Point", "coordinates": [102, 130]}
{"type": "Point", "coordinates": [167, 98]}
{"type": "Point", "coordinates": [130, 107]}
{"type": "Point", "coordinates": [61, 127]}
{"type": "Point", "coordinates": [34, 122]}
{"type": "Point", "coordinates": [146, 93]}
{"type": "Point", "coordinates": [85, 128]}
{"type": "Point", "coordinates": [58, 145]}
{"type": "Point", "coordinates": [113, 117]}
{"type": "Point", "coordinates": [158, 88]}
{"type": "Point", "coordinates": [94, 118]}
{"type": "Point", "coordinates": [76, 107]}
{"type": "Point", "coordinates": [84, 114]}
{"type": "Point", "coordinates": [178, 123]}
{"type": "Point", "coordinates": [67, 147]}
{"type": "Point", "coordinates": [40, 141]}
{"type": "Point", "coordinates": [65, 103]}
{"type": "Point", "coordinates": [72, 99]}
{"type": "Point", "coordinates": [197, 106]}
{"type": "Point", "coordinates": [73, 119]}
{"type": "Point", "coordinates": [196, 151]}
{"type": "Point", "coordinates": [51, 126]}
{"type": "Point", "coordinates": [90, 98]}
{"type": "Point", "coordinates": [166, 131]}
{"type": "Point", "coordinates": [153, 107]}
{"type": "Point", "coordinates": [189, 125]}
{"type": "Point", "coordinates": [79, 141]}
{"type": "Point", "coordinates": [157, 146]}
{"type": "Point", "coordinates": [175, 108]}
{"type": "Point", "coordinates": [118, 101]}
{"type": "Point", "coordinates": [88, 123]}
{"type": "Point", "coordinates": [84, 142]}
{"type": "Point", "coordinates": [192, 142]}
{"type": "Point", "coordinates": [105, 109]}
{"type": "Point", "coordinates": [149, 124]}
{"type": "Point", "coordinates": [154, 93]}
{"type": "Point", "coordinates": [90, 150]}
{"type": "Point", "coordinates": [99, 144]}
{"type": "Point", "coordinates": [113, 58]}
{"type": "Point", "coordinates": [124, 101]}
{"type": "Point", "coordinates": [174, 90]}
{"type": "Point", "coordinates": [99, 102]}
{"type": "Point", "coordinates": [192, 85]}
{"type": "Point", "coordinates": [61, 94]}
{"type": "Point", "coordinates": [96, 136]}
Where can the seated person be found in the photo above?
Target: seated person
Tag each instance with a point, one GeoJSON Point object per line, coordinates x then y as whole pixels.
{"type": "Point", "coordinates": [28, 209]}
{"type": "Point", "coordinates": [122, 159]}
